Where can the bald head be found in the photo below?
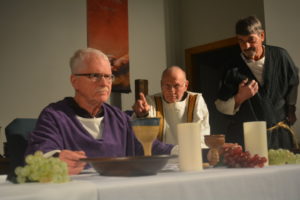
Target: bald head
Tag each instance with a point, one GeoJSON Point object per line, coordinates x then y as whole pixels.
{"type": "Point", "coordinates": [173, 71]}
{"type": "Point", "coordinates": [173, 84]}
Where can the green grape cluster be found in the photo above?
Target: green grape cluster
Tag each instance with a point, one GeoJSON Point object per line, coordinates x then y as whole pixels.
{"type": "Point", "coordinates": [41, 169]}
{"type": "Point", "coordinates": [283, 156]}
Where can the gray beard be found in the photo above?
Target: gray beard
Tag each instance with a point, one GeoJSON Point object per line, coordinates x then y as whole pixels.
{"type": "Point", "coordinates": [249, 54]}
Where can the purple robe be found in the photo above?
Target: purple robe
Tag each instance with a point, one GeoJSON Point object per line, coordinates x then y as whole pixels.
{"type": "Point", "coordinates": [58, 129]}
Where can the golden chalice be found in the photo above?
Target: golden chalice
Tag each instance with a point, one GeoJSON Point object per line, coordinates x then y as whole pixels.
{"type": "Point", "coordinates": [146, 131]}
{"type": "Point", "coordinates": [214, 142]}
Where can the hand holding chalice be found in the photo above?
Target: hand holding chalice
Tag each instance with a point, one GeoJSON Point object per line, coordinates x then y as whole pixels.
{"type": "Point", "coordinates": [214, 142]}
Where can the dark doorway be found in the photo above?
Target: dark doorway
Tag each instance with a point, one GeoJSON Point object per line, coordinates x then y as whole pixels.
{"type": "Point", "coordinates": [205, 68]}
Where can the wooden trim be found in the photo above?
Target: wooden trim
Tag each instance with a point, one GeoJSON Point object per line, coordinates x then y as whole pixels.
{"type": "Point", "coordinates": [160, 114]}
{"type": "Point", "coordinates": [204, 48]}
{"type": "Point", "coordinates": [191, 106]}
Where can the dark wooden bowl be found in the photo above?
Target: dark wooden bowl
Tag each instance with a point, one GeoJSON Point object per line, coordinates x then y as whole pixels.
{"type": "Point", "coordinates": [129, 166]}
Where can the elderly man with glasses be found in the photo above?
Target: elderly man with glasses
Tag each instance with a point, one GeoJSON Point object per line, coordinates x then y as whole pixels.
{"type": "Point", "coordinates": [174, 105]}
{"type": "Point", "coordinates": [260, 84]}
{"type": "Point", "coordinates": [85, 125]}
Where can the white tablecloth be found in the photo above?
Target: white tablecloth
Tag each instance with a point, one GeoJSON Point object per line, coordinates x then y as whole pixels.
{"type": "Point", "coordinates": [273, 182]}
{"type": "Point", "coordinates": [74, 190]}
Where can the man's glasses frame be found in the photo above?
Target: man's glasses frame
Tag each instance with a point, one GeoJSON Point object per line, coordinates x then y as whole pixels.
{"type": "Point", "coordinates": [97, 76]}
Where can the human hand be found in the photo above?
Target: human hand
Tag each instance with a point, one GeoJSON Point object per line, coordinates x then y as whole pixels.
{"type": "Point", "coordinates": [72, 158]}
{"type": "Point", "coordinates": [246, 91]}
{"type": "Point", "coordinates": [221, 149]}
{"type": "Point", "coordinates": [141, 107]}
{"type": "Point", "coordinates": [119, 62]}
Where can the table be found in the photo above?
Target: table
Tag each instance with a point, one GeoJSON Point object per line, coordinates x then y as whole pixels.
{"type": "Point", "coordinates": [74, 190]}
{"type": "Point", "coordinates": [272, 182]}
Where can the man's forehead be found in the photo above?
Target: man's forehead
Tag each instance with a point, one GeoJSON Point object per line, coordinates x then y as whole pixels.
{"type": "Point", "coordinates": [253, 35]}
{"type": "Point", "coordinates": [173, 79]}
{"type": "Point", "coordinates": [102, 65]}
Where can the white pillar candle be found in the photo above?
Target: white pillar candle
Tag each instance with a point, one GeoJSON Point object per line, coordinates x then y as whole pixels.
{"type": "Point", "coordinates": [189, 140]}
{"type": "Point", "coordinates": [255, 138]}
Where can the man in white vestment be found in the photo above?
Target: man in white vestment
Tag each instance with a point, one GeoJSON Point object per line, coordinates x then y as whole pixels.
{"type": "Point", "coordinates": [174, 105]}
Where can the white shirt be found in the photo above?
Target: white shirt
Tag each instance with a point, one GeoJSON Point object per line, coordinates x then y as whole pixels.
{"type": "Point", "coordinates": [93, 125]}
{"type": "Point", "coordinates": [256, 67]}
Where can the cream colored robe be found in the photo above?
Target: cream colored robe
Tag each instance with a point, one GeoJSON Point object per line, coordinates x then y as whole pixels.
{"type": "Point", "coordinates": [175, 113]}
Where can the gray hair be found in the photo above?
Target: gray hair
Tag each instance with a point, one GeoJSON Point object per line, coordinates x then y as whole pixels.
{"type": "Point", "coordinates": [79, 58]}
{"type": "Point", "coordinates": [248, 25]}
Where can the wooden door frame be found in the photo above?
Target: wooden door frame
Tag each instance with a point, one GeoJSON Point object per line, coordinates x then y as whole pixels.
{"type": "Point", "coordinates": [204, 48]}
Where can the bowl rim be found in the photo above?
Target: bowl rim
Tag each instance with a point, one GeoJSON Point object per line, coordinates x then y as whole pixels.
{"type": "Point", "coordinates": [216, 135]}
{"type": "Point", "coordinates": [128, 158]}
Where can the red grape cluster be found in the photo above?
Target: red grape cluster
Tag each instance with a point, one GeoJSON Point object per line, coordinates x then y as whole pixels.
{"type": "Point", "coordinates": [233, 156]}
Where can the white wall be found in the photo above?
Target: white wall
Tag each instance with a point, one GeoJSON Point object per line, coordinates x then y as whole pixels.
{"type": "Point", "coordinates": [283, 29]}
{"type": "Point", "coordinates": [147, 45]}
{"type": "Point", "coordinates": [209, 21]}
{"type": "Point", "coordinates": [38, 37]}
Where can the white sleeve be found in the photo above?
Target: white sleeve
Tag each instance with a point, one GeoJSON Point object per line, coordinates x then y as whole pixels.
{"type": "Point", "coordinates": [51, 153]}
{"type": "Point", "coordinates": [201, 115]}
{"type": "Point", "coordinates": [226, 107]}
{"type": "Point", "coordinates": [175, 150]}
{"type": "Point", "coordinates": [151, 103]}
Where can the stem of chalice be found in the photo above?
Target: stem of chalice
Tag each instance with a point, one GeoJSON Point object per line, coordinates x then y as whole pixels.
{"type": "Point", "coordinates": [147, 148]}
{"type": "Point", "coordinates": [146, 131]}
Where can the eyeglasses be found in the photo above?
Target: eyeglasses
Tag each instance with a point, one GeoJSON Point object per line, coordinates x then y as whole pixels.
{"type": "Point", "coordinates": [176, 86]}
{"type": "Point", "coordinates": [96, 76]}
{"type": "Point", "coordinates": [250, 40]}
